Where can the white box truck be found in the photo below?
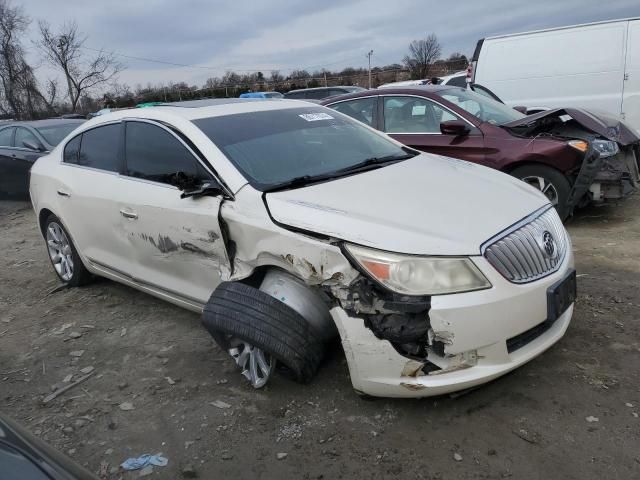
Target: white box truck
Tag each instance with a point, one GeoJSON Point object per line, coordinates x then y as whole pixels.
{"type": "Point", "coordinates": [595, 66]}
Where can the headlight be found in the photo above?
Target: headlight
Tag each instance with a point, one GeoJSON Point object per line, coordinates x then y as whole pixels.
{"type": "Point", "coordinates": [607, 148]}
{"type": "Point", "coordinates": [414, 275]}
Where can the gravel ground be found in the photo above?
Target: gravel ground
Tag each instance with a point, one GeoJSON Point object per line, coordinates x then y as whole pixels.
{"type": "Point", "coordinates": [571, 413]}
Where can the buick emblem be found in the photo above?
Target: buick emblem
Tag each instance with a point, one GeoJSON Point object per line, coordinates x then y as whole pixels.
{"type": "Point", "coordinates": [548, 244]}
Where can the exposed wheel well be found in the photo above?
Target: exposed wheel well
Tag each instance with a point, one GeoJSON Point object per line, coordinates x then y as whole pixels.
{"type": "Point", "coordinates": [42, 217]}
{"type": "Point", "coordinates": [533, 163]}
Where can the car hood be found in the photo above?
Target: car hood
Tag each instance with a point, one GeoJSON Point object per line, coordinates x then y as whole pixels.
{"type": "Point", "coordinates": [428, 205]}
{"type": "Point", "coordinates": [604, 124]}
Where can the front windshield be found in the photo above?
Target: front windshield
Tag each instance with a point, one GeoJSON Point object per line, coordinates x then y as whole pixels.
{"type": "Point", "coordinates": [273, 147]}
{"type": "Point", "coordinates": [486, 109]}
{"type": "Point", "coordinates": [54, 134]}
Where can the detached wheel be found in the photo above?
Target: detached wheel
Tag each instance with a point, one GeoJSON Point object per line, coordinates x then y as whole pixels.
{"type": "Point", "coordinates": [63, 254]}
{"type": "Point", "coordinates": [257, 330]}
{"type": "Point", "coordinates": [549, 181]}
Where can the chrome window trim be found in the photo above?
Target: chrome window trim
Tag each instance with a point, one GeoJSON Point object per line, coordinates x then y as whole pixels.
{"type": "Point", "coordinates": [351, 100]}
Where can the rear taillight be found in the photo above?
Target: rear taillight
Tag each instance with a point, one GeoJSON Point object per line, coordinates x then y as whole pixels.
{"type": "Point", "coordinates": [471, 72]}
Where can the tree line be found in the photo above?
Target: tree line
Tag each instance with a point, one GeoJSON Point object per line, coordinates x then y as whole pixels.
{"type": "Point", "coordinates": [88, 77]}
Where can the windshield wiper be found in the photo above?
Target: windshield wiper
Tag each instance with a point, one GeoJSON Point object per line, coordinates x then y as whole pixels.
{"type": "Point", "coordinates": [301, 181]}
{"type": "Point", "coordinates": [367, 164]}
{"type": "Point", "coordinates": [376, 162]}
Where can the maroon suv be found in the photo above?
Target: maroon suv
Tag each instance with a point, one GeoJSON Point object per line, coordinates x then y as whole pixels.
{"type": "Point", "coordinates": [571, 155]}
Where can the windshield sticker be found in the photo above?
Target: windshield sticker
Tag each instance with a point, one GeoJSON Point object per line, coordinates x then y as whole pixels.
{"type": "Point", "coordinates": [314, 117]}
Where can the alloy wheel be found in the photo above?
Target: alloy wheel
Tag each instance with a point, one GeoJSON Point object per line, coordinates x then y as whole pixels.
{"type": "Point", "coordinates": [545, 186]}
{"type": "Point", "coordinates": [60, 251]}
{"type": "Point", "coordinates": [257, 365]}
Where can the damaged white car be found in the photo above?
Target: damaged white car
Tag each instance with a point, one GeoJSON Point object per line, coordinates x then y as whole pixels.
{"type": "Point", "coordinates": [287, 224]}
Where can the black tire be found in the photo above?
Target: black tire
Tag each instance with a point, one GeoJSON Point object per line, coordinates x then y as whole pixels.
{"type": "Point", "coordinates": [247, 313]}
{"type": "Point", "coordinates": [555, 178]}
{"type": "Point", "coordinates": [81, 276]}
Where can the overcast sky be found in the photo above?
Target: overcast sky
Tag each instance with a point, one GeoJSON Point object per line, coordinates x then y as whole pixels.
{"type": "Point", "coordinates": [217, 35]}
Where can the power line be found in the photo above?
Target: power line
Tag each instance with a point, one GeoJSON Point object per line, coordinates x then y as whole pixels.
{"type": "Point", "coordinates": [218, 68]}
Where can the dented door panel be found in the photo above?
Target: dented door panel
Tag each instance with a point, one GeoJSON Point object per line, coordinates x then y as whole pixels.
{"type": "Point", "coordinates": [176, 244]}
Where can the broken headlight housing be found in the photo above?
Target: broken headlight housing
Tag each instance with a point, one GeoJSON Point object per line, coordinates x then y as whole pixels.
{"type": "Point", "coordinates": [606, 148]}
{"type": "Point", "coordinates": [417, 275]}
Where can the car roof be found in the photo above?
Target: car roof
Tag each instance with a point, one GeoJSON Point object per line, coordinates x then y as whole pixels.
{"type": "Point", "coordinates": [315, 89]}
{"type": "Point", "coordinates": [196, 109]}
{"type": "Point", "coordinates": [406, 90]}
{"type": "Point", "coordinates": [50, 122]}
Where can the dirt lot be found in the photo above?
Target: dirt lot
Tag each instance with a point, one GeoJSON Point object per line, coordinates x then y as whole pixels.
{"type": "Point", "coordinates": [571, 413]}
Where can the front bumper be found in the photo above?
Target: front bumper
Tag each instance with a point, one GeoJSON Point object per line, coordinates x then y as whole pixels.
{"type": "Point", "coordinates": [617, 178]}
{"type": "Point", "coordinates": [475, 328]}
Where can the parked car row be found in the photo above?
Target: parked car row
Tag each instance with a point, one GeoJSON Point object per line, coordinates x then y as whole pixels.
{"type": "Point", "coordinates": [22, 143]}
{"type": "Point", "coordinates": [572, 156]}
{"type": "Point", "coordinates": [288, 223]}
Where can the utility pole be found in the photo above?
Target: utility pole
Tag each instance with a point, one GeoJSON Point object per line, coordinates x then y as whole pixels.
{"type": "Point", "coordinates": [369, 55]}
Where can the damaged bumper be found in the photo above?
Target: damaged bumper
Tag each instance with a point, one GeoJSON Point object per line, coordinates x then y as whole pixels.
{"type": "Point", "coordinates": [485, 335]}
{"type": "Point", "coordinates": [618, 176]}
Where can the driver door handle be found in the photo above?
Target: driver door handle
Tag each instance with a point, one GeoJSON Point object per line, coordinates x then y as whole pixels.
{"type": "Point", "coordinates": [128, 214]}
{"type": "Point", "coordinates": [62, 193]}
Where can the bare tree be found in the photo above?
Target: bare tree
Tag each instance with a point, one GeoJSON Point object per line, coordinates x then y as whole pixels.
{"type": "Point", "coordinates": [422, 54]}
{"type": "Point", "coordinates": [276, 77]}
{"type": "Point", "coordinates": [21, 96]}
{"type": "Point", "coordinates": [64, 49]}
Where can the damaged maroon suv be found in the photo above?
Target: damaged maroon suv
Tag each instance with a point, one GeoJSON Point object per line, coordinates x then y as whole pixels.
{"type": "Point", "coordinates": [573, 156]}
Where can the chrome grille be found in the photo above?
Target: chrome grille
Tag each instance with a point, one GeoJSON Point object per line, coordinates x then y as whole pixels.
{"type": "Point", "coordinates": [522, 254]}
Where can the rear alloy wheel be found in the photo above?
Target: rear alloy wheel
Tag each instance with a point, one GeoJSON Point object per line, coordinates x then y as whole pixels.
{"type": "Point", "coordinates": [63, 255]}
{"type": "Point", "coordinates": [60, 252]}
{"type": "Point", "coordinates": [553, 184]}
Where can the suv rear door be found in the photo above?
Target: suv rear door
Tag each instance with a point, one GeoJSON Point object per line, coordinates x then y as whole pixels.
{"type": "Point", "coordinates": [176, 243]}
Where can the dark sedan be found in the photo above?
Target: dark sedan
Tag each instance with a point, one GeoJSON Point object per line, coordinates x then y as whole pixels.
{"type": "Point", "coordinates": [321, 92]}
{"type": "Point", "coordinates": [572, 156]}
{"type": "Point", "coordinates": [22, 143]}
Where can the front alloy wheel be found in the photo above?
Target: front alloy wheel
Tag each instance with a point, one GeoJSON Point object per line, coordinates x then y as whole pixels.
{"type": "Point", "coordinates": [256, 364]}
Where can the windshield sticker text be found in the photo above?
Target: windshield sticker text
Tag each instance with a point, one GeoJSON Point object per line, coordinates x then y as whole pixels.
{"type": "Point", "coordinates": [314, 117]}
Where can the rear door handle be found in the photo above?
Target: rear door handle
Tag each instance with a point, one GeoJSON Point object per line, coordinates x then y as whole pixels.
{"type": "Point", "coordinates": [62, 193]}
{"type": "Point", "coordinates": [127, 214]}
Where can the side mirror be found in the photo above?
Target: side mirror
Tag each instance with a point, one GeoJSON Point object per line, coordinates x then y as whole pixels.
{"type": "Point", "coordinates": [520, 109]}
{"type": "Point", "coordinates": [32, 146]}
{"type": "Point", "coordinates": [454, 127]}
{"type": "Point", "coordinates": [211, 188]}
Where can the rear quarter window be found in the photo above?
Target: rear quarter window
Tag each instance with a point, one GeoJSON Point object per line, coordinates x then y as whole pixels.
{"type": "Point", "coordinates": [72, 150]}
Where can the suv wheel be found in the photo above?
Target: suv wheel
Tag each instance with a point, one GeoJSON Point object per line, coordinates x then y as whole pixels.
{"type": "Point", "coordinates": [549, 181]}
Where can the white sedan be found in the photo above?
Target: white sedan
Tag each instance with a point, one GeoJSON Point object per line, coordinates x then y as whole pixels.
{"type": "Point", "coordinates": [287, 223]}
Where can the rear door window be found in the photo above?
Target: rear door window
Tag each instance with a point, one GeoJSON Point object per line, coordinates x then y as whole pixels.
{"type": "Point", "coordinates": [6, 137]}
{"type": "Point", "coordinates": [154, 154]}
{"type": "Point", "coordinates": [99, 148]}
{"type": "Point", "coordinates": [362, 109]}
{"type": "Point", "coordinates": [24, 135]}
